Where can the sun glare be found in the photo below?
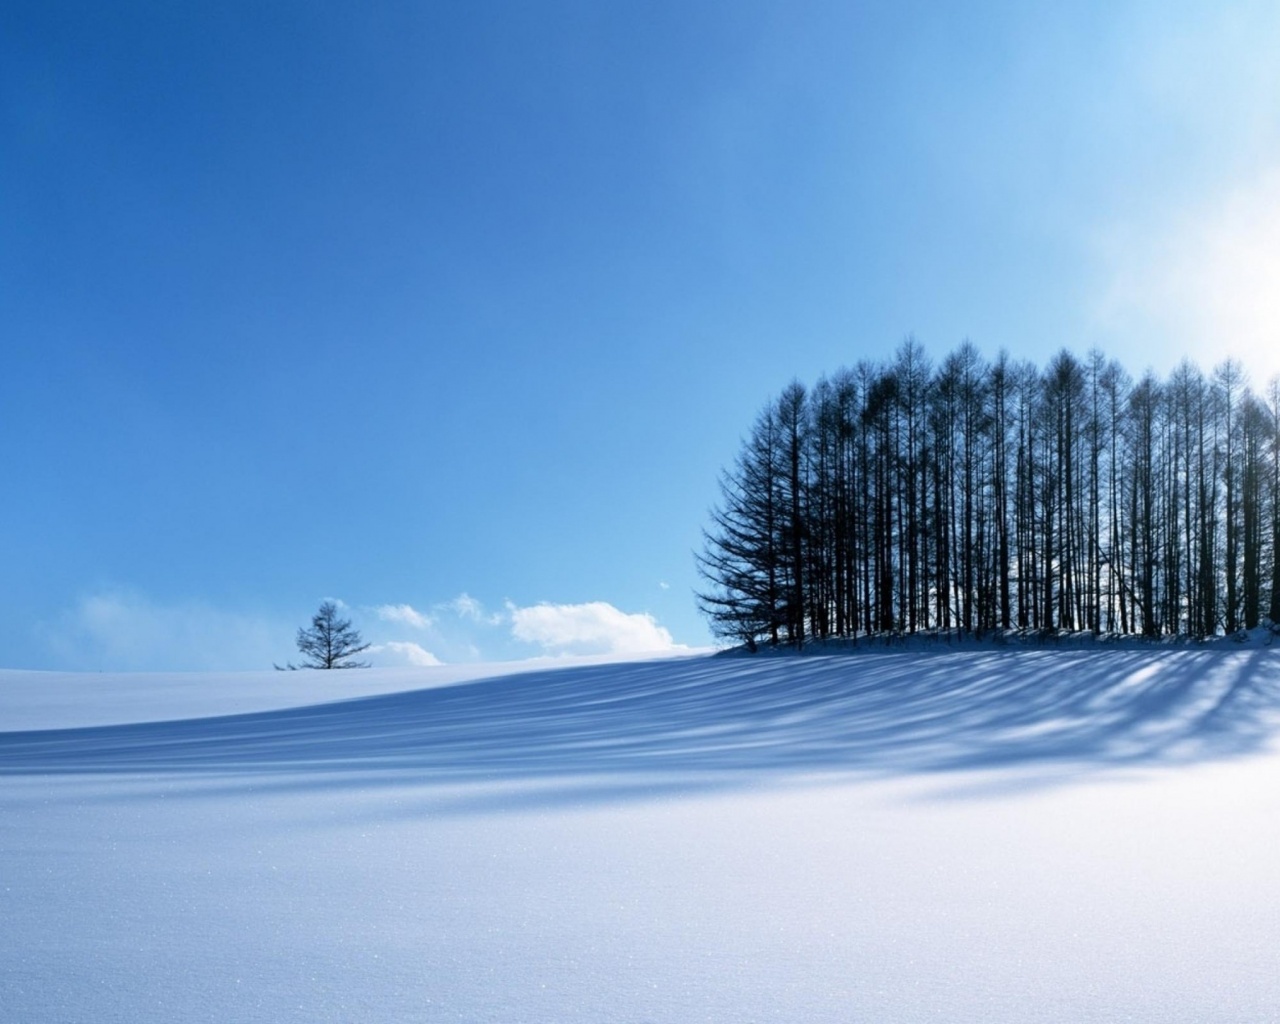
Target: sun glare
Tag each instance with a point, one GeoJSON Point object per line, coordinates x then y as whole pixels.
{"type": "Point", "coordinates": [1206, 286]}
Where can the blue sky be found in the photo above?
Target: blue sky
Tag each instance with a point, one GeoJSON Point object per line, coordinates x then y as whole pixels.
{"type": "Point", "coordinates": [460, 308]}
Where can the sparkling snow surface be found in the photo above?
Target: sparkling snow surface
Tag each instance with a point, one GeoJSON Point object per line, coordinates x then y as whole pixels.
{"type": "Point", "coordinates": [1022, 836]}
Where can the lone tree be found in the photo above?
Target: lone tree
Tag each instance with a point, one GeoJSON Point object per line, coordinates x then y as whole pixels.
{"type": "Point", "coordinates": [330, 642]}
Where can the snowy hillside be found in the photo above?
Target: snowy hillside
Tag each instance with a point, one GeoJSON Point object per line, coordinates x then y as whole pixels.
{"type": "Point", "coordinates": [982, 835]}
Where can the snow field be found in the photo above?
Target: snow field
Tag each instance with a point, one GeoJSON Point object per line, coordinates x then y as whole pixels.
{"type": "Point", "coordinates": [1085, 836]}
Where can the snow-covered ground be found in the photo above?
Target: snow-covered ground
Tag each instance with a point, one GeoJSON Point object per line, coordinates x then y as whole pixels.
{"type": "Point", "coordinates": [923, 835]}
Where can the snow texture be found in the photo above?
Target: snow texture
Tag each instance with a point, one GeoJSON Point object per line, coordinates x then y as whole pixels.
{"type": "Point", "coordinates": [890, 836]}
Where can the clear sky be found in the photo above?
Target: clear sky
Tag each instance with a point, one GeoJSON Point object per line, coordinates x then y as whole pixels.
{"type": "Point", "coordinates": [453, 311]}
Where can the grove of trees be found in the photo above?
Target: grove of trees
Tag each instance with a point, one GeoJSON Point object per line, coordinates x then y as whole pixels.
{"type": "Point", "coordinates": [979, 495]}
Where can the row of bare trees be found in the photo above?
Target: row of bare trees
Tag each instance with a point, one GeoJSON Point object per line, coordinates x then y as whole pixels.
{"type": "Point", "coordinates": [976, 496]}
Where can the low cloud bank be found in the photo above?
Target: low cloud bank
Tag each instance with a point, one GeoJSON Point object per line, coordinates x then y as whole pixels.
{"type": "Point", "coordinates": [596, 627]}
{"type": "Point", "coordinates": [123, 630]}
{"type": "Point", "coordinates": [402, 652]}
{"type": "Point", "coordinates": [465, 629]}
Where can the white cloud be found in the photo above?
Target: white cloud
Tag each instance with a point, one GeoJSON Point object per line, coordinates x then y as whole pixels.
{"type": "Point", "coordinates": [403, 652]}
{"type": "Point", "coordinates": [596, 627]}
{"type": "Point", "coordinates": [1204, 284]}
{"type": "Point", "coordinates": [405, 614]}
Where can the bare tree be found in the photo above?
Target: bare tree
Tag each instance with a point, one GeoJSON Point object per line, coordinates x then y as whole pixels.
{"type": "Point", "coordinates": [331, 642]}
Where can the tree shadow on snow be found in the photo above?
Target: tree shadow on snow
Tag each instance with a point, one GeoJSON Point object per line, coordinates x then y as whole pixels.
{"type": "Point", "coordinates": [608, 732]}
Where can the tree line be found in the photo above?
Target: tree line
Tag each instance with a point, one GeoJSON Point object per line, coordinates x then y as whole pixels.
{"type": "Point", "coordinates": [975, 495]}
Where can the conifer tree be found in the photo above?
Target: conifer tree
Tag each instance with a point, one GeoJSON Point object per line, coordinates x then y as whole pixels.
{"type": "Point", "coordinates": [330, 642]}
